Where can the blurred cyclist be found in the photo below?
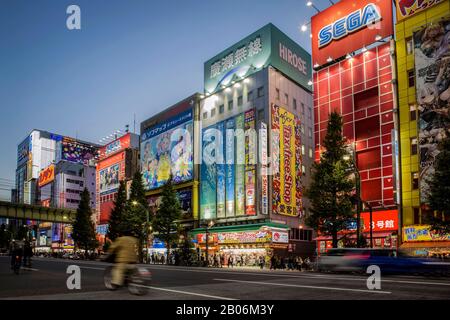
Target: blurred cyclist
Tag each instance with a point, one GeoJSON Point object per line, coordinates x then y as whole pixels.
{"type": "Point", "coordinates": [16, 249]}
{"type": "Point", "coordinates": [125, 250]}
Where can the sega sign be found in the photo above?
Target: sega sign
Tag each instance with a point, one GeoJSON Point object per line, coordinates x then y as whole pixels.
{"type": "Point", "coordinates": [348, 26]}
{"type": "Point", "coordinates": [353, 22]}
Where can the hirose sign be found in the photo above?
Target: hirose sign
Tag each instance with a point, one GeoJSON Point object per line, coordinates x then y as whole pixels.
{"type": "Point", "coordinates": [348, 26]}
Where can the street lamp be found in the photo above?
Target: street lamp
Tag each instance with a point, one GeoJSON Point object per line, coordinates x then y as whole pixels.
{"type": "Point", "coordinates": [311, 4]}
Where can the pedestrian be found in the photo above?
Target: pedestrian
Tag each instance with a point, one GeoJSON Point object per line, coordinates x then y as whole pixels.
{"type": "Point", "coordinates": [230, 261]}
{"type": "Point", "coordinates": [273, 262]}
{"type": "Point", "coordinates": [299, 263]}
{"type": "Point", "coordinates": [261, 262]}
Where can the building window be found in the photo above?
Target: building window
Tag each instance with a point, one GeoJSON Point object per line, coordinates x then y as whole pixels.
{"type": "Point", "coordinates": [310, 153]}
{"type": "Point", "coordinates": [303, 150]}
{"type": "Point", "coordinates": [277, 94]}
{"type": "Point", "coordinates": [303, 170]}
{"type": "Point", "coordinates": [249, 96]}
{"type": "Point", "coordinates": [414, 146]}
{"type": "Point", "coordinates": [310, 132]}
{"type": "Point", "coordinates": [205, 115]}
{"type": "Point", "coordinates": [286, 99]}
{"type": "Point", "coordinates": [294, 104]}
{"type": "Point", "coordinates": [302, 128]}
{"type": "Point", "coordinates": [409, 45]}
{"type": "Point", "coordinates": [230, 105]}
{"type": "Point", "coordinates": [213, 112]}
{"type": "Point", "coordinates": [413, 112]}
{"type": "Point", "coordinates": [415, 180]}
{"type": "Point", "coordinates": [261, 115]}
{"type": "Point", "coordinates": [260, 92]}
{"type": "Point", "coordinates": [303, 108]}
{"type": "Point", "coordinates": [411, 78]}
{"type": "Point", "coordinates": [221, 109]}
{"type": "Point", "coordinates": [240, 101]}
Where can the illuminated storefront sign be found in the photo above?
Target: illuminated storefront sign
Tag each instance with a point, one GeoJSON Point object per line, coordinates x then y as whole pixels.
{"type": "Point", "coordinates": [286, 163]}
{"type": "Point", "coordinates": [280, 237]}
{"type": "Point", "coordinates": [264, 172]}
{"type": "Point", "coordinates": [422, 233]}
{"type": "Point", "coordinates": [167, 149]}
{"type": "Point", "coordinates": [349, 25]}
{"type": "Point", "coordinates": [266, 46]}
{"type": "Point", "coordinates": [238, 237]}
{"type": "Point", "coordinates": [381, 220]}
{"type": "Point", "coordinates": [47, 175]}
{"type": "Point", "coordinates": [408, 8]}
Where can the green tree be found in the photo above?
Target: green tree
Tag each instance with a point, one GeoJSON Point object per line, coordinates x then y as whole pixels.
{"type": "Point", "coordinates": [439, 194]}
{"type": "Point", "coordinates": [115, 223]}
{"type": "Point", "coordinates": [83, 232]}
{"type": "Point", "coordinates": [137, 211]}
{"type": "Point", "coordinates": [331, 188]}
{"type": "Point", "coordinates": [165, 222]}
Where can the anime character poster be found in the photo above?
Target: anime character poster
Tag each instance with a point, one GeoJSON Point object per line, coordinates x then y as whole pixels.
{"type": "Point", "coordinates": [208, 174]}
{"type": "Point", "coordinates": [168, 149]}
{"type": "Point", "coordinates": [109, 179]}
{"type": "Point", "coordinates": [432, 59]}
{"type": "Point", "coordinates": [221, 174]}
{"type": "Point", "coordinates": [240, 166]}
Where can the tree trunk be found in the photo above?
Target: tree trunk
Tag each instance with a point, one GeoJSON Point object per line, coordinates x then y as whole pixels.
{"type": "Point", "coordinates": [335, 238]}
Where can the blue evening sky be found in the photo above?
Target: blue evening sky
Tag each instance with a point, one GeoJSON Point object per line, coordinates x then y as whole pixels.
{"type": "Point", "coordinates": [131, 57]}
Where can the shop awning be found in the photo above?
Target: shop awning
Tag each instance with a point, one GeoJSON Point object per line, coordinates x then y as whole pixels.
{"type": "Point", "coordinates": [426, 244]}
{"type": "Point", "coordinates": [238, 228]}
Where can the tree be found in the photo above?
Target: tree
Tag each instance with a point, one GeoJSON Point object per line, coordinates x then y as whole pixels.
{"type": "Point", "coordinates": [439, 194]}
{"type": "Point", "coordinates": [165, 223]}
{"type": "Point", "coordinates": [115, 223]}
{"type": "Point", "coordinates": [331, 188]}
{"type": "Point", "coordinates": [136, 212]}
{"type": "Point", "coordinates": [83, 232]}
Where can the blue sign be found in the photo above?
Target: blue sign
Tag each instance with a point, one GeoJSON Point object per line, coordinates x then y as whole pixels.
{"type": "Point", "coordinates": [167, 125]}
{"type": "Point", "coordinates": [102, 229]}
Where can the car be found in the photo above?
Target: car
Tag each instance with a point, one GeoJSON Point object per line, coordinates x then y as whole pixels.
{"type": "Point", "coordinates": [390, 261]}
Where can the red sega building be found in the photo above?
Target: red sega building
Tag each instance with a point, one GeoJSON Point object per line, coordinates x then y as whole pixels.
{"type": "Point", "coordinates": [356, 80]}
{"type": "Point", "coordinates": [118, 162]}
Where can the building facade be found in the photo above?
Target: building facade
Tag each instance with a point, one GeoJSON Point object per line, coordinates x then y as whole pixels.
{"type": "Point", "coordinates": [422, 37]}
{"type": "Point", "coordinates": [257, 147]}
{"type": "Point", "coordinates": [354, 75]}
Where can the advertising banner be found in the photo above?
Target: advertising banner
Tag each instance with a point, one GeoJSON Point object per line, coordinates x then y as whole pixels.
{"type": "Point", "coordinates": [167, 148]}
{"type": "Point", "coordinates": [280, 237]}
{"type": "Point", "coordinates": [349, 25]}
{"type": "Point", "coordinates": [432, 64]}
{"type": "Point", "coordinates": [286, 161]}
{"type": "Point", "coordinates": [237, 237]}
{"type": "Point", "coordinates": [422, 233]}
{"type": "Point", "coordinates": [109, 179]}
{"type": "Point", "coordinates": [250, 163]}
{"type": "Point", "coordinates": [240, 167]}
{"type": "Point", "coordinates": [47, 175]}
{"type": "Point", "coordinates": [208, 186]}
{"type": "Point", "coordinates": [264, 164]}
{"type": "Point", "coordinates": [408, 8]}
{"type": "Point", "coordinates": [229, 168]}
{"type": "Point", "coordinates": [128, 140]}
{"type": "Point", "coordinates": [77, 151]}
{"type": "Point", "coordinates": [221, 175]}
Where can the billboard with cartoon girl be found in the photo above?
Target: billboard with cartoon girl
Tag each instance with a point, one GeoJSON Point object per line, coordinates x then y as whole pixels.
{"type": "Point", "coordinates": [167, 148]}
{"type": "Point", "coordinates": [432, 59]}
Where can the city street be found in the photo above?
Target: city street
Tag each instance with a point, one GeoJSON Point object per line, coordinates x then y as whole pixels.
{"type": "Point", "coordinates": [47, 281]}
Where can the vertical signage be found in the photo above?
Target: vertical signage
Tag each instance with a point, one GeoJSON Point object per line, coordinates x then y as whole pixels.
{"type": "Point", "coordinates": [220, 173]}
{"type": "Point", "coordinates": [264, 178]}
{"type": "Point", "coordinates": [208, 177]}
{"type": "Point", "coordinates": [229, 168]}
{"type": "Point", "coordinates": [250, 161]}
{"type": "Point", "coordinates": [240, 167]}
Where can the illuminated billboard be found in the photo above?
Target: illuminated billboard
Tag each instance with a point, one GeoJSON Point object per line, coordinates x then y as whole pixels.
{"type": "Point", "coordinates": [76, 151]}
{"type": "Point", "coordinates": [408, 8]}
{"type": "Point", "coordinates": [47, 175]}
{"type": "Point", "coordinates": [167, 148]}
{"type": "Point", "coordinates": [286, 163]}
{"type": "Point", "coordinates": [432, 64]}
{"type": "Point", "coordinates": [109, 179]}
{"type": "Point", "coordinates": [348, 26]}
{"type": "Point", "coordinates": [128, 140]}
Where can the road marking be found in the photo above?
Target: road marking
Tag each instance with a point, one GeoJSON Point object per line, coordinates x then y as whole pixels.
{"type": "Point", "coordinates": [187, 292]}
{"type": "Point", "coordinates": [309, 276]}
{"type": "Point", "coordinates": [83, 267]}
{"type": "Point", "coordinates": [304, 286]}
{"type": "Point", "coordinates": [29, 269]}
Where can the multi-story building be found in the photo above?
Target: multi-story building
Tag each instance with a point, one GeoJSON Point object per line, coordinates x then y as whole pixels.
{"type": "Point", "coordinates": [118, 161]}
{"type": "Point", "coordinates": [169, 144]}
{"type": "Point", "coordinates": [422, 43]}
{"type": "Point", "coordinates": [257, 148]}
{"type": "Point", "coordinates": [354, 75]}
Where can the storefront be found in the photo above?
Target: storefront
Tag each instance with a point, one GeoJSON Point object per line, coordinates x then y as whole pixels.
{"type": "Point", "coordinates": [384, 232]}
{"type": "Point", "coordinates": [243, 245]}
{"type": "Point", "coordinates": [419, 240]}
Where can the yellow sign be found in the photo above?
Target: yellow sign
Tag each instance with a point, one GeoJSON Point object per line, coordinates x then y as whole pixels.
{"type": "Point", "coordinates": [422, 233]}
{"type": "Point", "coordinates": [47, 175]}
{"type": "Point", "coordinates": [408, 8]}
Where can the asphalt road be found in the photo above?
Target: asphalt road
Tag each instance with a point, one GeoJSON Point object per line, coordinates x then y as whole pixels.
{"type": "Point", "coordinates": [47, 280]}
